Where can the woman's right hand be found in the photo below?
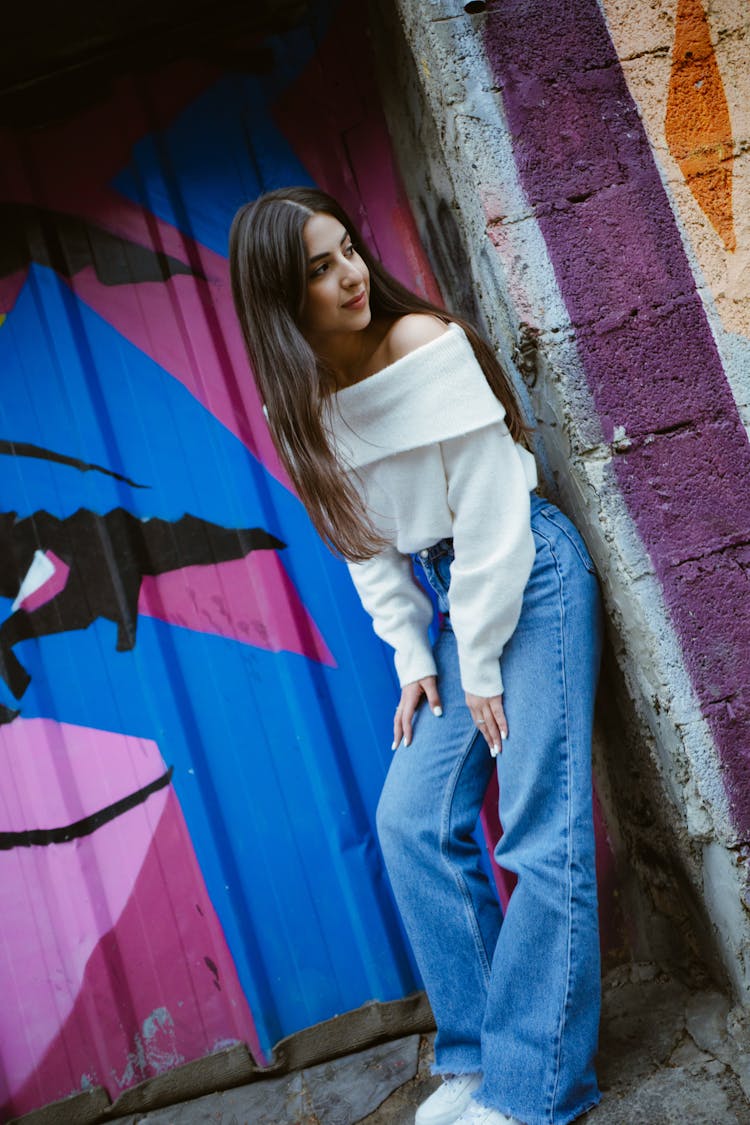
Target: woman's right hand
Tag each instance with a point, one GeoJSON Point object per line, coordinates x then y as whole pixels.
{"type": "Point", "coordinates": [411, 697]}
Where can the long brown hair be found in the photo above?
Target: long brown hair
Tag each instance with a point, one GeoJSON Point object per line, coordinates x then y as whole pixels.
{"type": "Point", "coordinates": [268, 265]}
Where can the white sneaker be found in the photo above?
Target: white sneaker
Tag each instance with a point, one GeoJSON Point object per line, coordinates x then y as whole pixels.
{"type": "Point", "coordinates": [449, 1100]}
{"type": "Point", "coordinates": [476, 1114]}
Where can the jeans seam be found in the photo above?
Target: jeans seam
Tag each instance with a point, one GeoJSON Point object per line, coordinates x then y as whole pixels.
{"type": "Point", "coordinates": [584, 557]}
{"type": "Point", "coordinates": [566, 994]}
{"type": "Point", "coordinates": [458, 880]}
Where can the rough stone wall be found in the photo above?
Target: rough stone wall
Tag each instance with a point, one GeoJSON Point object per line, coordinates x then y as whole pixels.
{"type": "Point", "coordinates": [578, 172]}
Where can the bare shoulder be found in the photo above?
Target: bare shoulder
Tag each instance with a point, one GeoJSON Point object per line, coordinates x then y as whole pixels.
{"type": "Point", "coordinates": [412, 331]}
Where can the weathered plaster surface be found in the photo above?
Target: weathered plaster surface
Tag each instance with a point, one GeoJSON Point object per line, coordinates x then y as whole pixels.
{"type": "Point", "coordinates": [544, 210]}
{"type": "Point", "coordinates": [644, 36]}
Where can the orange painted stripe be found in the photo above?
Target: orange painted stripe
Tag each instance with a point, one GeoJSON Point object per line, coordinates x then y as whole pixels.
{"type": "Point", "coordinates": [698, 127]}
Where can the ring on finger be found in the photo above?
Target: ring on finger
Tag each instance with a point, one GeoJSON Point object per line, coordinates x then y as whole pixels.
{"type": "Point", "coordinates": [481, 723]}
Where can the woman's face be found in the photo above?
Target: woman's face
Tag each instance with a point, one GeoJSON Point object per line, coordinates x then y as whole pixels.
{"type": "Point", "coordinates": [338, 281]}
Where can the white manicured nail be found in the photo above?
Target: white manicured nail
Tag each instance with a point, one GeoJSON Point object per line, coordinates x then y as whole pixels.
{"type": "Point", "coordinates": [438, 712]}
{"type": "Point", "coordinates": [503, 734]}
{"type": "Point", "coordinates": [494, 751]}
{"type": "Point", "coordinates": [394, 746]}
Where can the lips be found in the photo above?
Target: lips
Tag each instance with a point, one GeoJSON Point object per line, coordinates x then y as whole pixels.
{"type": "Point", "coordinates": [356, 302]}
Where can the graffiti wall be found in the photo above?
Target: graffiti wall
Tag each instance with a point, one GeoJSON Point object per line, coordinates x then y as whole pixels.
{"type": "Point", "coordinates": [597, 156]}
{"type": "Point", "coordinates": [194, 710]}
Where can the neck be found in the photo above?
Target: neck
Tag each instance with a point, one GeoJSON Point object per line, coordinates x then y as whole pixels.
{"type": "Point", "coordinates": [344, 357]}
{"type": "Point", "coordinates": [348, 356]}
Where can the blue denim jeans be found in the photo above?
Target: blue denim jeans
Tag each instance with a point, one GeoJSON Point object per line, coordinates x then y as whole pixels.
{"type": "Point", "coordinates": [515, 997]}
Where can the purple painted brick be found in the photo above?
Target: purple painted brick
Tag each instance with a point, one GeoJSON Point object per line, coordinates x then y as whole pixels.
{"type": "Point", "coordinates": [571, 39]}
{"type": "Point", "coordinates": [717, 642]}
{"type": "Point", "coordinates": [730, 722]}
{"type": "Point", "coordinates": [653, 369]}
{"type": "Point", "coordinates": [626, 243]}
{"type": "Point", "coordinates": [706, 514]}
{"type": "Point", "coordinates": [575, 168]}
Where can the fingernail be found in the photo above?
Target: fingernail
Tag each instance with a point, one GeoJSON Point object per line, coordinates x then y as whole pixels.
{"type": "Point", "coordinates": [394, 746]}
{"type": "Point", "coordinates": [494, 751]}
{"type": "Point", "coordinates": [407, 742]}
{"type": "Point", "coordinates": [437, 711]}
{"type": "Point", "coordinates": [503, 734]}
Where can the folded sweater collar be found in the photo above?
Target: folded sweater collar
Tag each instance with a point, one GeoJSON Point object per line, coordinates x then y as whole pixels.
{"type": "Point", "coordinates": [436, 392]}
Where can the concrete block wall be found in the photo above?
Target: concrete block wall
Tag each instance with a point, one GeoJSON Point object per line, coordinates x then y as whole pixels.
{"type": "Point", "coordinates": [579, 173]}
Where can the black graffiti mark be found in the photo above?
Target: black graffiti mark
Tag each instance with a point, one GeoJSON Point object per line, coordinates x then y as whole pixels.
{"type": "Point", "coordinates": [108, 556]}
{"type": "Point", "coordinates": [448, 250]}
{"type": "Point", "coordinates": [212, 968]}
{"type": "Point", "coordinates": [26, 449]}
{"type": "Point", "coordinates": [43, 837]}
{"type": "Point", "coordinates": [69, 243]}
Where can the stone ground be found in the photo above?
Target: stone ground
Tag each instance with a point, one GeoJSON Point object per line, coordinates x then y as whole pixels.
{"type": "Point", "coordinates": [669, 1056]}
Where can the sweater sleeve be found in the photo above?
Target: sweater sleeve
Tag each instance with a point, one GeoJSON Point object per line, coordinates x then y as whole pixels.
{"type": "Point", "coordinates": [401, 612]}
{"type": "Point", "coordinates": [488, 494]}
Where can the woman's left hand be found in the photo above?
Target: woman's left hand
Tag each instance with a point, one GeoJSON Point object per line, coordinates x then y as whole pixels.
{"type": "Point", "coordinates": [489, 716]}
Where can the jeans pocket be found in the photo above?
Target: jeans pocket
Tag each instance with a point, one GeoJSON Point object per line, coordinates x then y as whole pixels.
{"type": "Point", "coordinates": [571, 533]}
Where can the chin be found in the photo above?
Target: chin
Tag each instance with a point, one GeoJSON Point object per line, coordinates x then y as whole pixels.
{"type": "Point", "coordinates": [359, 323]}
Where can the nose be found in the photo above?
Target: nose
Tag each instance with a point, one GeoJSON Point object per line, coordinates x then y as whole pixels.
{"type": "Point", "coordinates": [352, 274]}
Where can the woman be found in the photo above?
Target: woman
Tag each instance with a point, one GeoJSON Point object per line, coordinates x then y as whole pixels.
{"type": "Point", "coordinates": [401, 433]}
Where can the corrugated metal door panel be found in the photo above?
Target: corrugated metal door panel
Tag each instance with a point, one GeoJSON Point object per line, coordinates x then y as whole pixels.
{"type": "Point", "coordinates": [189, 786]}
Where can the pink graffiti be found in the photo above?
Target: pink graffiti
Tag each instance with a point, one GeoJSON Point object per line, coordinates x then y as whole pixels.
{"type": "Point", "coordinates": [105, 929]}
{"type": "Point", "coordinates": [252, 600]}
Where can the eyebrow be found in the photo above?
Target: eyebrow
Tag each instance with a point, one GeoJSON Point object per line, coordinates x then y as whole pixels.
{"type": "Point", "coordinates": [325, 254]}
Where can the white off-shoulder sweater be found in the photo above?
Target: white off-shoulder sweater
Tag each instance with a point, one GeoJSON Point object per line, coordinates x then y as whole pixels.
{"type": "Point", "coordinates": [429, 451]}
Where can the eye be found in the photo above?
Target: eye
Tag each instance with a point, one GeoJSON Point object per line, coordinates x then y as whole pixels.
{"type": "Point", "coordinates": [319, 271]}
{"type": "Point", "coordinates": [349, 250]}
